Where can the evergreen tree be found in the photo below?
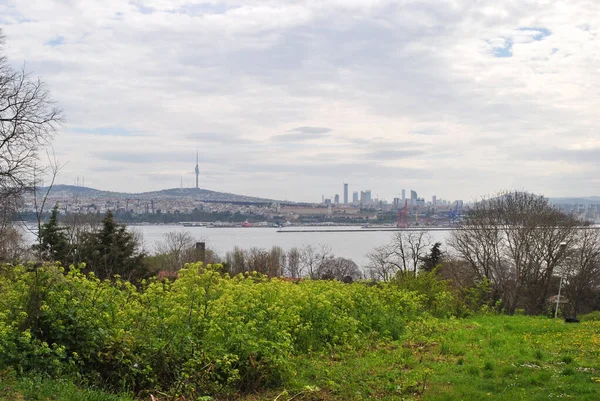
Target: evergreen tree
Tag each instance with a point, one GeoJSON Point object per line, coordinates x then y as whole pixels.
{"type": "Point", "coordinates": [53, 241]}
{"type": "Point", "coordinates": [433, 259]}
{"type": "Point", "coordinates": [113, 251]}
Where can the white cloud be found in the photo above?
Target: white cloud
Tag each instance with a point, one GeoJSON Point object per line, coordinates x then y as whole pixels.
{"type": "Point", "coordinates": [373, 72]}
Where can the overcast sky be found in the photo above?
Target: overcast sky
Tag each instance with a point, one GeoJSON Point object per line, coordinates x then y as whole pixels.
{"type": "Point", "coordinates": [289, 99]}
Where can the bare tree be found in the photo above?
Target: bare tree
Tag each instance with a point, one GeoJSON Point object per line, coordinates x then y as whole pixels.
{"type": "Point", "coordinates": [582, 271]}
{"type": "Point", "coordinates": [341, 269]}
{"type": "Point", "coordinates": [40, 198]}
{"type": "Point", "coordinates": [278, 262]}
{"type": "Point", "coordinates": [236, 261]}
{"type": "Point", "coordinates": [415, 245]}
{"type": "Point", "coordinates": [383, 263]}
{"type": "Point", "coordinates": [28, 120]}
{"type": "Point", "coordinates": [514, 240]}
{"type": "Point", "coordinates": [312, 258]}
{"type": "Point", "coordinates": [403, 254]}
{"type": "Point", "coordinates": [11, 238]}
{"type": "Point", "coordinates": [294, 266]}
{"type": "Point", "coordinates": [177, 248]}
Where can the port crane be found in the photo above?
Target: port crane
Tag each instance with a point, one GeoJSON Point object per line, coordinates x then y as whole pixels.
{"type": "Point", "coordinates": [402, 221]}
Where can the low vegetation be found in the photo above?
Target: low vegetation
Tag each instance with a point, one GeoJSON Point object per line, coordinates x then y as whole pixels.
{"type": "Point", "coordinates": [204, 333]}
{"type": "Point", "coordinates": [493, 357]}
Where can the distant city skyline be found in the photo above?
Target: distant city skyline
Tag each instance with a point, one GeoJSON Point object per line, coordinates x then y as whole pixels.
{"type": "Point", "coordinates": [287, 100]}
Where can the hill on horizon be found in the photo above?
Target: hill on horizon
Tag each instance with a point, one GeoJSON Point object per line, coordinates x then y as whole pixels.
{"type": "Point", "coordinates": [172, 193]}
{"type": "Point", "coordinates": [580, 200]}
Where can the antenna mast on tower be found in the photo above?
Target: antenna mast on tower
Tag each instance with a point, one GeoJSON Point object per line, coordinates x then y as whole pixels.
{"type": "Point", "coordinates": [197, 169]}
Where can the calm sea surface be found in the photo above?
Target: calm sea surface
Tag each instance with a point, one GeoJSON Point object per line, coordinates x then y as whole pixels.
{"type": "Point", "coordinates": [353, 245]}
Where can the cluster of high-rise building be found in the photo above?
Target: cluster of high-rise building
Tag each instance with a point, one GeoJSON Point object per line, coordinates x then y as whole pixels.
{"type": "Point", "coordinates": [365, 198]}
{"type": "Point", "coordinates": [583, 211]}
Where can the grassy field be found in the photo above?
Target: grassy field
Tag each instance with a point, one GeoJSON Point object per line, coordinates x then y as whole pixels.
{"type": "Point", "coordinates": [486, 358]}
{"type": "Point", "coordinates": [37, 389]}
{"type": "Point", "coordinates": [483, 358]}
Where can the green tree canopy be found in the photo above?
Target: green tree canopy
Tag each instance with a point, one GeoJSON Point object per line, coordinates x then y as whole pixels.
{"type": "Point", "coordinates": [113, 251]}
{"type": "Point", "coordinates": [53, 242]}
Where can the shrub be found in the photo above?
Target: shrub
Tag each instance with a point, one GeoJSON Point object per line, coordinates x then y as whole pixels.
{"type": "Point", "coordinates": [204, 333]}
{"type": "Point", "coordinates": [590, 317]}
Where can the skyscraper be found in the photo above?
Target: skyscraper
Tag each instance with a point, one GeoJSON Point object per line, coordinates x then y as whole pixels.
{"type": "Point", "coordinates": [413, 197]}
{"type": "Point", "coordinates": [403, 195]}
{"type": "Point", "coordinates": [197, 170]}
{"type": "Point", "coordinates": [355, 197]}
{"type": "Point", "coordinates": [336, 199]}
{"type": "Point", "coordinates": [345, 193]}
{"type": "Point", "coordinates": [434, 200]}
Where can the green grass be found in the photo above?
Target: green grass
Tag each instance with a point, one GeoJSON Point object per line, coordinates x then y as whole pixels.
{"type": "Point", "coordinates": [484, 358]}
{"type": "Point", "coordinates": [34, 389]}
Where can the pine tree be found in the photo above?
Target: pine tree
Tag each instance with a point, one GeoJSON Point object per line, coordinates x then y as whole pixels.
{"type": "Point", "coordinates": [113, 251]}
{"type": "Point", "coordinates": [433, 259]}
{"type": "Point", "coordinates": [53, 241]}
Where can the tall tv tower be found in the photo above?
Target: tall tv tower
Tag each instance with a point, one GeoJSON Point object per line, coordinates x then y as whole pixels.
{"type": "Point", "coordinates": [197, 170]}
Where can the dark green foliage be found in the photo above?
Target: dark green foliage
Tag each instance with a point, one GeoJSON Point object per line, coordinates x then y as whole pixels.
{"type": "Point", "coordinates": [433, 259]}
{"type": "Point", "coordinates": [53, 241]}
{"type": "Point", "coordinates": [113, 251]}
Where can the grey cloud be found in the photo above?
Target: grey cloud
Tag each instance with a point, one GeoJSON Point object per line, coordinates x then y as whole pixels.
{"type": "Point", "coordinates": [393, 154]}
{"type": "Point", "coordinates": [152, 158]}
{"type": "Point", "coordinates": [338, 169]}
{"type": "Point", "coordinates": [587, 156]}
{"type": "Point", "coordinates": [421, 65]}
{"type": "Point", "coordinates": [303, 134]}
{"type": "Point", "coordinates": [219, 138]}
{"type": "Point", "coordinates": [426, 131]}
{"type": "Point", "coordinates": [312, 130]}
{"type": "Point", "coordinates": [297, 137]}
{"type": "Point", "coordinates": [110, 168]}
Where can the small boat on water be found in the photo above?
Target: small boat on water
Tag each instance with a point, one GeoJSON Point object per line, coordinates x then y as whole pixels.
{"type": "Point", "coordinates": [246, 224]}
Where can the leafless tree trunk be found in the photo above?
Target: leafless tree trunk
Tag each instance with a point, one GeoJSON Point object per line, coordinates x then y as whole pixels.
{"type": "Point", "coordinates": [294, 267]}
{"type": "Point", "coordinates": [340, 269]}
{"type": "Point", "coordinates": [582, 271]}
{"type": "Point", "coordinates": [236, 261]}
{"type": "Point", "coordinates": [418, 243]}
{"type": "Point", "coordinates": [178, 248]}
{"type": "Point", "coordinates": [313, 258]}
{"type": "Point", "coordinates": [404, 253]}
{"type": "Point", "coordinates": [383, 265]}
{"type": "Point", "coordinates": [514, 240]}
{"type": "Point", "coordinates": [28, 120]}
{"type": "Point", "coordinates": [277, 263]}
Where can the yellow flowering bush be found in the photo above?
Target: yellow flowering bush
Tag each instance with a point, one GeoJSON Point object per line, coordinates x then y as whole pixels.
{"type": "Point", "coordinates": [204, 333]}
